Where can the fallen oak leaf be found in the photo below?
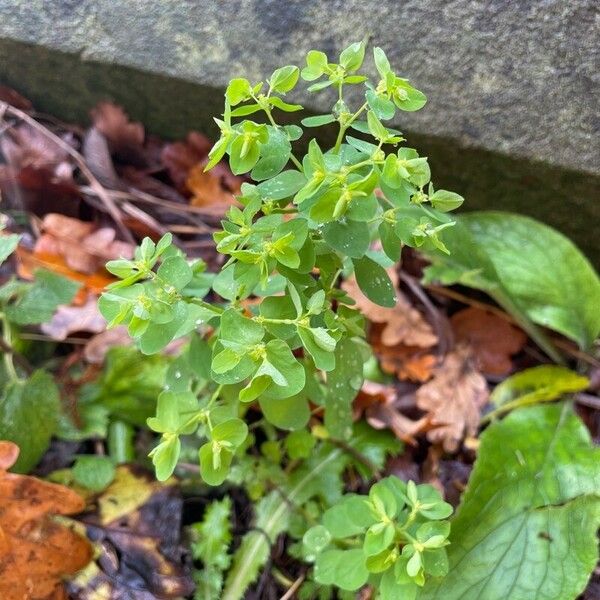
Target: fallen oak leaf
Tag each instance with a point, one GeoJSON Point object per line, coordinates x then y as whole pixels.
{"type": "Point", "coordinates": [454, 398]}
{"type": "Point", "coordinates": [36, 551]}
{"type": "Point", "coordinates": [493, 339]}
{"type": "Point", "coordinates": [401, 324]}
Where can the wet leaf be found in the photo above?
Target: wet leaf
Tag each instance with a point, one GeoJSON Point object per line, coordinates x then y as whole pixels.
{"type": "Point", "coordinates": [36, 551]}
{"type": "Point", "coordinates": [526, 527]}
{"type": "Point", "coordinates": [136, 531]}
{"type": "Point", "coordinates": [454, 398]}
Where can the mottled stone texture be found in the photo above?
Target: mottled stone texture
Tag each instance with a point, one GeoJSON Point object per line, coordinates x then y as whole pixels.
{"type": "Point", "coordinates": [519, 77]}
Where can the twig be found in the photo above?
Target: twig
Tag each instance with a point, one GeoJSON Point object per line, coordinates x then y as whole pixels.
{"type": "Point", "coordinates": [588, 400]}
{"type": "Point", "coordinates": [100, 191]}
{"type": "Point", "coordinates": [294, 587]}
{"type": "Point", "coordinates": [443, 325]}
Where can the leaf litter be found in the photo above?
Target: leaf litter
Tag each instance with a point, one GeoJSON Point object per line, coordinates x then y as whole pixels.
{"type": "Point", "coordinates": [429, 393]}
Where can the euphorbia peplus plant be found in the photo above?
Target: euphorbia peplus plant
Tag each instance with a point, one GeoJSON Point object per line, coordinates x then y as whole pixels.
{"type": "Point", "coordinates": [302, 224]}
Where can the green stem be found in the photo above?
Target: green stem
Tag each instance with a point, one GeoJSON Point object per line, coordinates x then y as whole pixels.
{"type": "Point", "coordinates": [9, 365]}
{"type": "Point", "coordinates": [207, 305]}
{"type": "Point", "coordinates": [345, 126]}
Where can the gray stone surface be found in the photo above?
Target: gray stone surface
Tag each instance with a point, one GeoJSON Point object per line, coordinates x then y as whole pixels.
{"type": "Point", "coordinates": [516, 76]}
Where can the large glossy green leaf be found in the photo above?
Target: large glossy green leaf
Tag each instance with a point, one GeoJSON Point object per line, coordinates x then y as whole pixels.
{"type": "Point", "coordinates": [526, 264]}
{"type": "Point", "coordinates": [28, 417]}
{"type": "Point", "coordinates": [526, 528]}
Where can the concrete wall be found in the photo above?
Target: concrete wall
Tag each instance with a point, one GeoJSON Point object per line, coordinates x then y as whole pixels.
{"type": "Point", "coordinates": [516, 76]}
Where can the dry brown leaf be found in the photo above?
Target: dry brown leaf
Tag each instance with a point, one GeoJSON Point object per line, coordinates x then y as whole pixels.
{"type": "Point", "coordinates": [36, 552]}
{"type": "Point", "coordinates": [454, 398]}
{"type": "Point", "coordinates": [402, 324]}
{"type": "Point", "coordinates": [378, 403]}
{"type": "Point", "coordinates": [84, 248]}
{"type": "Point", "coordinates": [493, 339]}
{"type": "Point", "coordinates": [70, 319]}
{"type": "Point", "coordinates": [208, 192]}
{"type": "Point", "coordinates": [125, 138]}
{"type": "Point", "coordinates": [180, 157]}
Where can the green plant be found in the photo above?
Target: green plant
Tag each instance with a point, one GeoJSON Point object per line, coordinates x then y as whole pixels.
{"type": "Point", "coordinates": [391, 538]}
{"type": "Point", "coordinates": [304, 222]}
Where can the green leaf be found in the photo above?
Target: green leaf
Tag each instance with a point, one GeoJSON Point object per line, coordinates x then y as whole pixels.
{"type": "Point", "coordinates": [94, 472]}
{"type": "Point", "coordinates": [374, 282]}
{"type": "Point", "coordinates": [381, 106]}
{"type": "Point", "coordinates": [280, 356]}
{"type": "Point", "coordinates": [531, 265]}
{"type": "Point", "coordinates": [8, 244]}
{"type": "Point", "coordinates": [282, 186]}
{"type": "Point", "coordinates": [526, 527]}
{"type": "Point", "coordinates": [41, 298]}
{"type": "Point", "coordinates": [446, 201]}
{"type": "Point", "coordinates": [214, 467]}
{"type": "Point", "coordinates": [318, 120]}
{"type": "Point", "coordinates": [210, 540]}
{"type": "Point", "coordinates": [237, 91]}
{"type": "Point", "coordinates": [233, 431]}
{"type": "Point", "coordinates": [352, 57]}
{"type": "Point", "coordinates": [274, 155]}
{"type": "Point", "coordinates": [343, 384]}
{"type": "Point", "coordinates": [175, 271]}
{"type": "Point", "coordinates": [286, 413]}
{"type": "Point", "coordinates": [538, 384]}
{"type": "Point", "coordinates": [351, 238]}
{"type": "Point", "coordinates": [240, 330]}
{"type": "Point", "coordinates": [344, 568]}
{"type": "Point", "coordinates": [284, 79]}
{"type": "Point", "coordinates": [165, 457]}
{"type": "Point", "coordinates": [29, 411]}
{"type": "Point", "coordinates": [316, 539]}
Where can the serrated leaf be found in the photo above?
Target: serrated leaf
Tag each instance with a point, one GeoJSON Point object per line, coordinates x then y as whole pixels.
{"type": "Point", "coordinates": [526, 527]}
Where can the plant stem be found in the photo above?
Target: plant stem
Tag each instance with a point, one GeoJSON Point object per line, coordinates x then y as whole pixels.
{"type": "Point", "coordinates": [9, 365]}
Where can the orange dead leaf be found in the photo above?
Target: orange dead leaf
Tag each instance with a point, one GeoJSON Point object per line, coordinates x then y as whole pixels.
{"type": "Point", "coordinates": [406, 362]}
{"type": "Point", "coordinates": [493, 339]}
{"type": "Point", "coordinates": [208, 191]}
{"type": "Point", "coordinates": [36, 552]}
{"type": "Point", "coordinates": [401, 324]}
{"type": "Point", "coordinates": [454, 398]}
{"type": "Point", "coordinates": [30, 261]}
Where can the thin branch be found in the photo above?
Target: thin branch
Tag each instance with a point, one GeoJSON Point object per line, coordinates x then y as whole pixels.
{"type": "Point", "coordinates": [100, 191]}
